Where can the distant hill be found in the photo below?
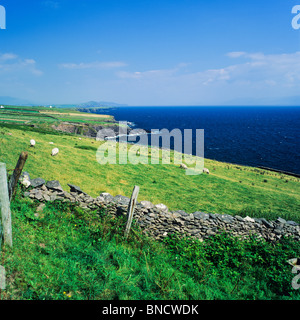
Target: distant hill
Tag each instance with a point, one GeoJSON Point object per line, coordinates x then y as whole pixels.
{"type": "Point", "coordinates": [12, 101]}
{"type": "Point", "coordinates": [91, 105]}
{"type": "Point", "coordinates": [95, 104]}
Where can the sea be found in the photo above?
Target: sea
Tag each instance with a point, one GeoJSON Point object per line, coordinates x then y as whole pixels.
{"type": "Point", "coordinates": [251, 136]}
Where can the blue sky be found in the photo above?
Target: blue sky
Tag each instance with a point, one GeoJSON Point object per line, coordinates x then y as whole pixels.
{"type": "Point", "coordinates": [167, 52]}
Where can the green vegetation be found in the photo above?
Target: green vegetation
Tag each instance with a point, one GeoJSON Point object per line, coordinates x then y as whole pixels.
{"type": "Point", "coordinates": [228, 189]}
{"type": "Point", "coordinates": [64, 252]}
{"type": "Point", "coordinates": [42, 116]}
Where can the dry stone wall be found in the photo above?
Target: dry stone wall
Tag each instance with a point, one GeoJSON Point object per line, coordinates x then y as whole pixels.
{"type": "Point", "coordinates": [157, 221]}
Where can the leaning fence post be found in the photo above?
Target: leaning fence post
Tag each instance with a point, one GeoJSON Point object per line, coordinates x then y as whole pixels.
{"type": "Point", "coordinates": [5, 207]}
{"type": "Point", "coordinates": [16, 174]}
{"type": "Point", "coordinates": [131, 208]}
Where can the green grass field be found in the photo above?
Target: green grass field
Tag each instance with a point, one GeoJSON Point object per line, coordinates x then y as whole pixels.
{"type": "Point", "coordinates": [229, 189]}
{"type": "Point", "coordinates": [66, 253]}
{"type": "Point", "coordinates": [43, 115]}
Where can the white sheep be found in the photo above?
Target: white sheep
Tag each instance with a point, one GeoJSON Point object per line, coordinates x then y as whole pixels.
{"type": "Point", "coordinates": [183, 166]}
{"type": "Point", "coordinates": [205, 170]}
{"type": "Point", "coordinates": [32, 143]}
{"type": "Point", "coordinates": [55, 152]}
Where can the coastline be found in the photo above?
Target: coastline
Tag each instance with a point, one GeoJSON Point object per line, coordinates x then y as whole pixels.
{"type": "Point", "coordinates": [263, 166]}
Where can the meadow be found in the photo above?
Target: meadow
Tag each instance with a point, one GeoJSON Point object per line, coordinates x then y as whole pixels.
{"type": "Point", "coordinates": [63, 252]}
{"type": "Point", "coordinates": [228, 189]}
{"type": "Point", "coordinates": [42, 115]}
{"type": "Point", "coordinates": [66, 253]}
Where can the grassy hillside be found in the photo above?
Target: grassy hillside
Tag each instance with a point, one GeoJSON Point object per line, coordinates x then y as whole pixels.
{"type": "Point", "coordinates": [45, 117]}
{"type": "Point", "coordinates": [228, 189]}
{"type": "Point", "coordinates": [62, 252]}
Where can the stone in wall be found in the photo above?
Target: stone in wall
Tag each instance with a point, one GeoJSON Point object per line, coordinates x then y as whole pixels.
{"type": "Point", "coordinates": [157, 221]}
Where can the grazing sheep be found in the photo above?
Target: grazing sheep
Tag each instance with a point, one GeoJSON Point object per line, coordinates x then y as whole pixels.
{"type": "Point", "coordinates": [183, 166]}
{"type": "Point", "coordinates": [51, 142]}
{"type": "Point", "coordinates": [32, 143]}
{"type": "Point", "coordinates": [55, 152]}
{"type": "Point", "coordinates": [205, 170]}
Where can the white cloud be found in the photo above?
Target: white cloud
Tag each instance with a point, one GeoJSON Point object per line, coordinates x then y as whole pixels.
{"type": "Point", "coordinates": [281, 69]}
{"type": "Point", "coordinates": [236, 54]}
{"type": "Point", "coordinates": [8, 56]}
{"type": "Point", "coordinates": [258, 75]}
{"type": "Point", "coordinates": [93, 65]}
{"type": "Point", "coordinates": [152, 74]}
{"type": "Point", "coordinates": [12, 63]}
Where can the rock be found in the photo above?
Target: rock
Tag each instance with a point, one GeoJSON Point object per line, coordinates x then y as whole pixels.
{"type": "Point", "coordinates": [210, 232]}
{"type": "Point", "coordinates": [147, 204]}
{"type": "Point", "coordinates": [107, 196]}
{"type": "Point", "coordinates": [46, 197]}
{"type": "Point", "coordinates": [39, 195]}
{"type": "Point", "coordinates": [226, 218]}
{"type": "Point", "coordinates": [179, 221]}
{"type": "Point", "coordinates": [239, 218]}
{"type": "Point", "coordinates": [100, 199]}
{"type": "Point", "coordinates": [25, 181]}
{"type": "Point", "coordinates": [53, 197]}
{"type": "Point", "coordinates": [26, 194]}
{"type": "Point", "coordinates": [54, 185]}
{"type": "Point", "coordinates": [201, 215]}
{"type": "Point", "coordinates": [75, 189]}
{"type": "Point", "coordinates": [122, 200]}
{"type": "Point", "coordinates": [258, 222]}
{"type": "Point", "coordinates": [161, 207]}
{"type": "Point", "coordinates": [278, 231]}
{"type": "Point", "coordinates": [38, 182]}
{"type": "Point", "coordinates": [89, 199]}
{"type": "Point", "coordinates": [292, 223]}
{"type": "Point", "coordinates": [280, 220]}
{"type": "Point", "coordinates": [266, 223]}
{"type": "Point", "coordinates": [25, 175]}
{"type": "Point", "coordinates": [248, 219]}
{"type": "Point", "coordinates": [182, 213]}
{"type": "Point", "coordinates": [41, 207]}
{"type": "Point", "coordinates": [295, 262]}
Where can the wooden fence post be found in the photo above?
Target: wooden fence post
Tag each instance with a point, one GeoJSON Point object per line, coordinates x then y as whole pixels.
{"type": "Point", "coordinates": [131, 208]}
{"type": "Point", "coordinates": [5, 207]}
{"type": "Point", "coordinates": [16, 174]}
